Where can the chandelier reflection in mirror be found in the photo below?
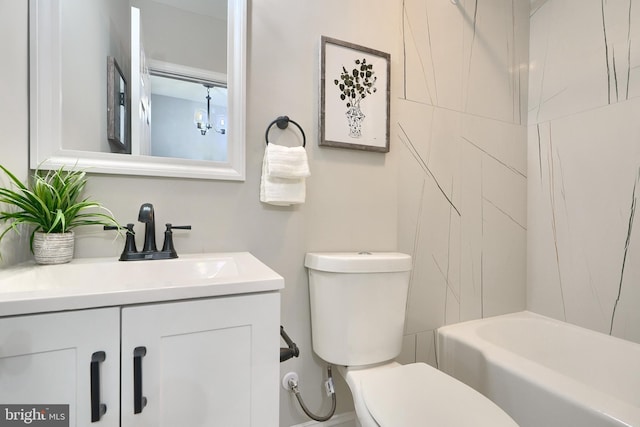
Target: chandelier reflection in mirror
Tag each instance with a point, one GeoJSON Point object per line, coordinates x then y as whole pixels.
{"type": "Point", "coordinates": [188, 115]}
{"type": "Point", "coordinates": [202, 118]}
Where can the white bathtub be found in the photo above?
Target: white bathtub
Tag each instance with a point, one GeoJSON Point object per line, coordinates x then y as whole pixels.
{"type": "Point", "coordinates": [544, 372]}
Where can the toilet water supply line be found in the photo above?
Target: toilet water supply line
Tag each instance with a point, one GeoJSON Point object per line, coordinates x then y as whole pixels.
{"type": "Point", "coordinates": [287, 353]}
{"type": "Point", "coordinates": [293, 386]}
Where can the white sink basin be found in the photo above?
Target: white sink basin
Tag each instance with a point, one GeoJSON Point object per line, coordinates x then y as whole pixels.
{"type": "Point", "coordinates": [100, 282]}
{"type": "Point", "coordinates": [203, 268]}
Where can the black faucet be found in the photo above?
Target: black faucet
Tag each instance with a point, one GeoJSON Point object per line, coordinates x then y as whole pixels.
{"type": "Point", "coordinates": [149, 249]}
{"type": "Point", "coordinates": [147, 217]}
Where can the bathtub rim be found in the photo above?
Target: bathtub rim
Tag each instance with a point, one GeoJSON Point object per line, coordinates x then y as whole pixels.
{"type": "Point", "coordinates": [567, 388]}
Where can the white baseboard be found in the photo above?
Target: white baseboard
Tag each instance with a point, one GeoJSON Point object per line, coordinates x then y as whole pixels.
{"type": "Point", "coordinates": [348, 419]}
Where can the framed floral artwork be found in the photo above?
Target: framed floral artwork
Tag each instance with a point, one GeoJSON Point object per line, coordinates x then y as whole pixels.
{"type": "Point", "coordinates": [354, 96]}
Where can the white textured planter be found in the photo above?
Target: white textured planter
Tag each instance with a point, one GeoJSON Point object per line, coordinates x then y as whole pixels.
{"type": "Point", "coordinates": [53, 248]}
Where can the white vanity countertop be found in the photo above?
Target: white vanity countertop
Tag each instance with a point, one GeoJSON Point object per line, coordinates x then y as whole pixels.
{"type": "Point", "coordinates": [103, 282]}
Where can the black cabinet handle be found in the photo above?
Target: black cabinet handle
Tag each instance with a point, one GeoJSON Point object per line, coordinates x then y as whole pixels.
{"type": "Point", "coordinates": [97, 409]}
{"type": "Point", "coordinates": [139, 401]}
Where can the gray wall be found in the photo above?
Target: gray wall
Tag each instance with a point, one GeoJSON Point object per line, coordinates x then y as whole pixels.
{"type": "Point", "coordinates": [14, 109]}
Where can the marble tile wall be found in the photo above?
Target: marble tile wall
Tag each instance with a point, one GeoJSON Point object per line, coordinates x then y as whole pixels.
{"type": "Point", "coordinates": [584, 164]}
{"type": "Point", "coordinates": [463, 181]}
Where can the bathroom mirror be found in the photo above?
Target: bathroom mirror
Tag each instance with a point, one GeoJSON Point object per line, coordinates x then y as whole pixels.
{"type": "Point", "coordinates": [58, 138]}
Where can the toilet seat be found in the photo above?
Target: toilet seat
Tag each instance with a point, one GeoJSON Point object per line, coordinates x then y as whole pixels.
{"type": "Point", "coordinates": [420, 395]}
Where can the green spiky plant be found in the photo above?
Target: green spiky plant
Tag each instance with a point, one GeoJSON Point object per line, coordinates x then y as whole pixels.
{"type": "Point", "coordinates": [52, 203]}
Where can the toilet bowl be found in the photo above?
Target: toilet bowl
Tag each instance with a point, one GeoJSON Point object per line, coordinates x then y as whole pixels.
{"type": "Point", "coordinates": [358, 305]}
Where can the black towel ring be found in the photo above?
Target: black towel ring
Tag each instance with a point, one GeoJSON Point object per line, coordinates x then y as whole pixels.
{"type": "Point", "coordinates": [283, 122]}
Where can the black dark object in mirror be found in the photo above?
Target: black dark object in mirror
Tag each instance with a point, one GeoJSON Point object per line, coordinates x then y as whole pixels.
{"type": "Point", "coordinates": [117, 109]}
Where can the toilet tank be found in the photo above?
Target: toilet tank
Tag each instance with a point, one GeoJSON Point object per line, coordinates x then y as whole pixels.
{"type": "Point", "coordinates": [358, 303]}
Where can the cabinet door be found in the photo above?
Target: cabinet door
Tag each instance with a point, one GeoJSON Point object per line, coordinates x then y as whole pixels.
{"type": "Point", "coordinates": [46, 359]}
{"type": "Point", "coordinates": [211, 362]}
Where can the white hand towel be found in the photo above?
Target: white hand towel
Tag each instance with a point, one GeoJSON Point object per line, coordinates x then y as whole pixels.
{"type": "Point", "coordinates": [284, 172]}
{"type": "Point", "coordinates": [286, 162]}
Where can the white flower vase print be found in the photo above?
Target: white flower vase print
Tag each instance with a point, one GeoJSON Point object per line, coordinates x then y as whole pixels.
{"type": "Point", "coordinates": [355, 116]}
{"type": "Point", "coordinates": [355, 86]}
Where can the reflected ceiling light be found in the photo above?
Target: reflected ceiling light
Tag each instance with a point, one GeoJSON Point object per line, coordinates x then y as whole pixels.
{"type": "Point", "coordinates": [202, 118]}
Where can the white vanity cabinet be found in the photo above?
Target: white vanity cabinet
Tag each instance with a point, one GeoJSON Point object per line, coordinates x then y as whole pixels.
{"type": "Point", "coordinates": [205, 362]}
{"type": "Point", "coordinates": [131, 352]}
{"type": "Point", "coordinates": [46, 359]}
{"type": "Point", "coordinates": [211, 362]}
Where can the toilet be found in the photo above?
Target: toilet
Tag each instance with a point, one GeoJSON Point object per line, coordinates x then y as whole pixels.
{"type": "Point", "coordinates": [358, 303]}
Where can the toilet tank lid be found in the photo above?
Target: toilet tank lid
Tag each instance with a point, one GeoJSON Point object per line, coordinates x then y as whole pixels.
{"type": "Point", "coordinates": [358, 262]}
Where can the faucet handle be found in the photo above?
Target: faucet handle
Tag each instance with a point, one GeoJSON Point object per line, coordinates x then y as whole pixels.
{"type": "Point", "coordinates": [118, 227]}
{"type": "Point", "coordinates": [177, 227]}
{"type": "Point", "coordinates": [130, 242]}
{"type": "Point", "coordinates": [168, 238]}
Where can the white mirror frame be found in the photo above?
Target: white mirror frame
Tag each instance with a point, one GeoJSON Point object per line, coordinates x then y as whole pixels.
{"type": "Point", "coordinates": [45, 107]}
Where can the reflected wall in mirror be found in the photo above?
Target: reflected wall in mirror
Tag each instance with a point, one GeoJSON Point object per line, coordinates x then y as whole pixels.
{"type": "Point", "coordinates": [70, 41]}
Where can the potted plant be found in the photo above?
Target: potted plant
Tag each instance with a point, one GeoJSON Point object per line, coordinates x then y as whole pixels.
{"type": "Point", "coordinates": [53, 205]}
